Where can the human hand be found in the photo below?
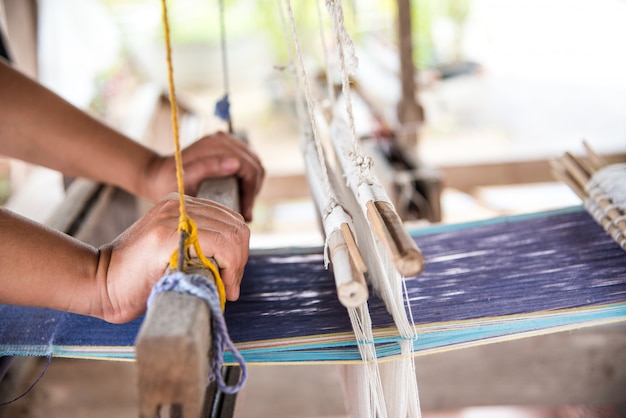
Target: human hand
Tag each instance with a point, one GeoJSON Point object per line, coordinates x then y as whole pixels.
{"type": "Point", "coordinates": [215, 155]}
{"type": "Point", "coordinates": [129, 266]}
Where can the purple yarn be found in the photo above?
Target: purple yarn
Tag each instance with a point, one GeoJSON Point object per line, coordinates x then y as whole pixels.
{"type": "Point", "coordinates": [199, 286]}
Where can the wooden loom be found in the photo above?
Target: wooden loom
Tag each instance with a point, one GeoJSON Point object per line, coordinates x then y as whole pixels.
{"type": "Point", "coordinates": [110, 192]}
{"type": "Point", "coordinates": [585, 366]}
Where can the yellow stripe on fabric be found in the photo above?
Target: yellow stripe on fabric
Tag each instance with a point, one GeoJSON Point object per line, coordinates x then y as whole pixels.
{"type": "Point", "coordinates": [186, 225]}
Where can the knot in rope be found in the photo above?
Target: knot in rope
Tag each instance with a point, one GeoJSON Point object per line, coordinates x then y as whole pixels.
{"type": "Point", "coordinates": [332, 204]}
{"type": "Point", "coordinates": [181, 258]}
{"type": "Point", "coordinates": [363, 165]}
{"type": "Point", "coordinates": [363, 162]}
{"type": "Point", "coordinates": [200, 287]}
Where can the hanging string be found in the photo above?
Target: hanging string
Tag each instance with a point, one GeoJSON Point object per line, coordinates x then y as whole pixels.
{"type": "Point", "coordinates": [27, 391]}
{"type": "Point", "coordinates": [329, 76]}
{"type": "Point", "coordinates": [222, 107]}
{"type": "Point", "coordinates": [403, 396]}
{"type": "Point", "coordinates": [348, 64]}
{"type": "Point", "coordinates": [181, 257]}
{"type": "Point", "coordinates": [214, 295]}
{"type": "Point", "coordinates": [311, 110]}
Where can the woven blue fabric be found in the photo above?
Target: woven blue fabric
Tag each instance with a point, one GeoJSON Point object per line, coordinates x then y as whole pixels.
{"type": "Point", "coordinates": [547, 263]}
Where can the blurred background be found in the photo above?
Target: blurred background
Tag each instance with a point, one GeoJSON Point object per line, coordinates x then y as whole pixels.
{"type": "Point", "coordinates": [505, 86]}
{"type": "Point", "coordinates": [499, 82]}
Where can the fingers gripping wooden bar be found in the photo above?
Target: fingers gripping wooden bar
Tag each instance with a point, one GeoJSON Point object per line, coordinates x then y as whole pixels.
{"type": "Point", "coordinates": [388, 227]}
{"type": "Point", "coordinates": [173, 344]}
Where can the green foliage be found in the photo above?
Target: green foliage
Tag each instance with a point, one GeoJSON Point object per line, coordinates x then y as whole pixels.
{"type": "Point", "coordinates": [198, 21]}
{"type": "Point", "coordinates": [424, 13]}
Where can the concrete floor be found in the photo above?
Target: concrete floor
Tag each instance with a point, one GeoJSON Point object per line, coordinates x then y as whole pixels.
{"type": "Point", "coordinates": [104, 389]}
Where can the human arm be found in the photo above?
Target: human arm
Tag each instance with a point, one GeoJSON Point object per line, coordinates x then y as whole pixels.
{"type": "Point", "coordinates": [40, 127]}
{"type": "Point", "coordinates": [45, 268]}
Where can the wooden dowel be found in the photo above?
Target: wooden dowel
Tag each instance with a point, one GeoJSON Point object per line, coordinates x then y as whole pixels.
{"type": "Point", "coordinates": [560, 173]}
{"type": "Point", "coordinates": [572, 165]}
{"type": "Point", "coordinates": [174, 341]}
{"type": "Point", "coordinates": [348, 268]}
{"type": "Point", "coordinates": [353, 249]}
{"type": "Point", "coordinates": [613, 214]}
{"type": "Point", "coordinates": [577, 173]}
{"type": "Point", "coordinates": [388, 227]}
{"type": "Point", "coordinates": [596, 161]}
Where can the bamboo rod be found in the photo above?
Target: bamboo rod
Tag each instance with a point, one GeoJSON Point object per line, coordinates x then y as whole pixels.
{"type": "Point", "coordinates": [388, 227]}
{"type": "Point", "coordinates": [348, 268]}
{"type": "Point", "coordinates": [577, 173]}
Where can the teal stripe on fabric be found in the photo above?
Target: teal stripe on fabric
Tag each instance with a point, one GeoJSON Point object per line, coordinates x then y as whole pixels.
{"type": "Point", "coordinates": [482, 281]}
{"type": "Point", "coordinates": [436, 229]}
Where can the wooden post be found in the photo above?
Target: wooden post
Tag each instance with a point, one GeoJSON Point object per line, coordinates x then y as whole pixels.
{"type": "Point", "coordinates": [174, 342]}
{"type": "Point", "coordinates": [410, 112]}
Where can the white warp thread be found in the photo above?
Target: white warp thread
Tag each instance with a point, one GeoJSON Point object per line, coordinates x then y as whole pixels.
{"type": "Point", "coordinates": [610, 183]}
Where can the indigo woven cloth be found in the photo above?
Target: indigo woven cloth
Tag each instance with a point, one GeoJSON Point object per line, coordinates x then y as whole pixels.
{"type": "Point", "coordinates": [483, 281]}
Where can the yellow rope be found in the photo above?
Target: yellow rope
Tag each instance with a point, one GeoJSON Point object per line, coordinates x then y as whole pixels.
{"type": "Point", "coordinates": [186, 225]}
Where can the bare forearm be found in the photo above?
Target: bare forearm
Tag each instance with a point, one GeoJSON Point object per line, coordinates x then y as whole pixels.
{"type": "Point", "coordinates": [45, 268]}
{"type": "Point", "coordinates": [38, 126]}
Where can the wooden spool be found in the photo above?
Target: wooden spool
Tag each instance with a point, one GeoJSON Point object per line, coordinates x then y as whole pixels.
{"type": "Point", "coordinates": [174, 342]}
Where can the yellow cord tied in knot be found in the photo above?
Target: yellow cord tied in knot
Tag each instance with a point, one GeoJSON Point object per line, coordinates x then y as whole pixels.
{"type": "Point", "coordinates": [189, 238]}
{"type": "Point", "coordinates": [186, 227]}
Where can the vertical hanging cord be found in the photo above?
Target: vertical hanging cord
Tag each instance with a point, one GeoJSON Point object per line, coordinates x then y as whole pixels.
{"type": "Point", "coordinates": [310, 107]}
{"type": "Point", "coordinates": [342, 39]}
{"type": "Point", "coordinates": [222, 107]}
{"type": "Point", "coordinates": [172, 95]}
{"type": "Point", "coordinates": [187, 227]}
{"type": "Point", "coordinates": [213, 294]}
{"type": "Point", "coordinates": [359, 317]}
{"type": "Point", "coordinates": [329, 76]}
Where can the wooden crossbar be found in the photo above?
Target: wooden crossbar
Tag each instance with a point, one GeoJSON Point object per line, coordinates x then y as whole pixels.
{"type": "Point", "coordinates": [174, 342]}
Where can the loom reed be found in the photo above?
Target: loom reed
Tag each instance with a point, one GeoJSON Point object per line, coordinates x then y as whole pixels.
{"type": "Point", "coordinates": [578, 173]}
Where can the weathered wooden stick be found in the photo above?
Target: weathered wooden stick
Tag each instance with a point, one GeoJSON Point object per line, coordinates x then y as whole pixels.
{"type": "Point", "coordinates": [596, 161]}
{"type": "Point", "coordinates": [576, 173]}
{"type": "Point", "coordinates": [174, 342]}
{"type": "Point", "coordinates": [559, 171]}
{"type": "Point", "coordinates": [348, 266]}
{"type": "Point", "coordinates": [582, 176]}
{"type": "Point", "coordinates": [388, 227]}
{"type": "Point", "coordinates": [172, 355]}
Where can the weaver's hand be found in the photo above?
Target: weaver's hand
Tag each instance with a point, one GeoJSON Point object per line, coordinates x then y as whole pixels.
{"type": "Point", "coordinates": [130, 265]}
{"type": "Point", "coordinates": [216, 155]}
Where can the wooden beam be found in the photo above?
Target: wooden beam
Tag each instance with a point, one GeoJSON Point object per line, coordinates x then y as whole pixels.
{"type": "Point", "coordinates": [467, 177]}
{"type": "Point", "coordinates": [410, 112]}
{"type": "Point", "coordinates": [174, 341]}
